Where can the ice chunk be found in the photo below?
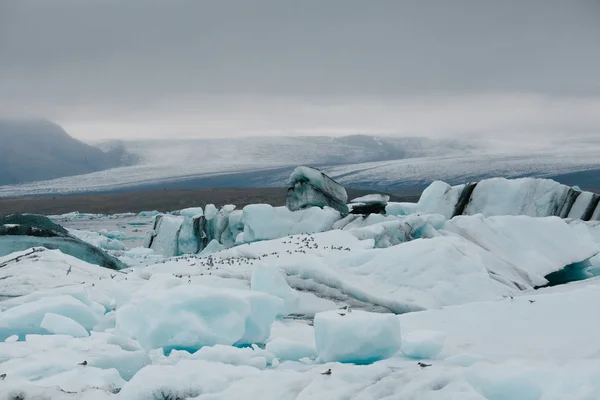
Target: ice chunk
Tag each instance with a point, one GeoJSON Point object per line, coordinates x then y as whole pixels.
{"type": "Point", "coordinates": [401, 208]}
{"type": "Point", "coordinates": [27, 318]}
{"type": "Point", "coordinates": [356, 337]}
{"type": "Point", "coordinates": [440, 198]}
{"type": "Point", "coordinates": [192, 316]}
{"type": "Point", "coordinates": [525, 196]}
{"type": "Point", "coordinates": [309, 187]}
{"type": "Point", "coordinates": [20, 232]}
{"type": "Point", "coordinates": [251, 356]}
{"type": "Point", "coordinates": [512, 238]}
{"type": "Point", "coordinates": [149, 213]}
{"type": "Point", "coordinates": [399, 230]}
{"type": "Point", "coordinates": [210, 211]}
{"type": "Point", "coordinates": [269, 280]}
{"type": "Point", "coordinates": [165, 235]}
{"type": "Point", "coordinates": [285, 349]}
{"type": "Point", "coordinates": [584, 206]}
{"type": "Point", "coordinates": [192, 212]}
{"type": "Point", "coordinates": [372, 199]}
{"type": "Point", "coordinates": [213, 247]}
{"type": "Point", "coordinates": [80, 379]}
{"type": "Point", "coordinates": [264, 222]}
{"type": "Point", "coordinates": [98, 240]}
{"type": "Point", "coordinates": [61, 325]}
{"type": "Point", "coordinates": [191, 238]}
{"type": "Point", "coordinates": [423, 344]}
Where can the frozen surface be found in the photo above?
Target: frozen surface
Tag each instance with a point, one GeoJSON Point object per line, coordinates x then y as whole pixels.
{"type": "Point", "coordinates": [532, 197]}
{"type": "Point", "coordinates": [269, 280]}
{"type": "Point", "coordinates": [372, 199]}
{"type": "Point", "coordinates": [422, 344]}
{"type": "Point", "coordinates": [402, 208]}
{"type": "Point", "coordinates": [195, 326]}
{"type": "Point", "coordinates": [61, 325]}
{"type": "Point", "coordinates": [321, 181]}
{"type": "Point", "coordinates": [98, 240]}
{"type": "Point", "coordinates": [556, 243]}
{"type": "Point", "coordinates": [264, 222]}
{"type": "Point", "coordinates": [27, 318]}
{"type": "Point", "coordinates": [440, 198]}
{"type": "Point", "coordinates": [193, 316]}
{"type": "Point", "coordinates": [290, 350]}
{"type": "Point", "coordinates": [356, 337]}
{"type": "Point", "coordinates": [167, 229]}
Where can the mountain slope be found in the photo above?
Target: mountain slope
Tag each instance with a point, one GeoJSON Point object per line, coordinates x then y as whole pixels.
{"type": "Point", "coordinates": [36, 150]}
{"type": "Point", "coordinates": [388, 164]}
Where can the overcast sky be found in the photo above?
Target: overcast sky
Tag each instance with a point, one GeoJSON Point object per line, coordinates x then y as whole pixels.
{"type": "Point", "coordinates": [135, 69]}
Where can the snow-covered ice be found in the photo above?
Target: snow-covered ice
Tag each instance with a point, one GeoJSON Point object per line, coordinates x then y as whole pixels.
{"type": "Point", "coordinates": [422, 344]}
{"type": "Point", "coordinates": [356, 336]}
{"type": "Point", "coordinates": [61, 325]}
{"type": "Point", "coordinates": [311, 305]}
{"type": "Point", "coordinates": [193, 316]}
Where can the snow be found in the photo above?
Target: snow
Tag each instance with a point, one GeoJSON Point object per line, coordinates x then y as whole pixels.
{"type": "Point", "coordinates": [269, 280]}
{"type": "Point", "coordinates": [372, 199]}
{"type": "Point", "coordinates": [556, 243]}
{"type": "Point", "coordinates": [423, 344]}
{"type": "Point", "coordinates": [27, 318]}
{"type": "Point", "coordinates": [60, 325]}
{"type": "Point", "coordinates": [356, 337]}
{"type": "Point", "coordinates": [263, 319]}
{"type": "Point", "coordinates": [192, 316]}
{"type": "Point", "coordinates": [285, 349]}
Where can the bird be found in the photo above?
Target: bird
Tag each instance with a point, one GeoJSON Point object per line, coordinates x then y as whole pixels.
{"type": "Point", "coordinates": [112, 276]}
{"type": "Point", "coordinates": [532, 301]}
{"type": "Point", "coordinates": [83, 363]}
{"type": "Point", "coordinates": [423, 365]}
{"type": "Point", "coordinates": [342, 314]}
{"type": "Point", "coordinates": [3, 376]}
{"type": "Point", "coordinates": [328, 372]}
{"type": "Point", "coordinates": [69, 270]}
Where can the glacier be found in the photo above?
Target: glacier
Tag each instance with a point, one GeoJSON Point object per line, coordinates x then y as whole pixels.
{"type": "Point", "coordinates": [263, 302]}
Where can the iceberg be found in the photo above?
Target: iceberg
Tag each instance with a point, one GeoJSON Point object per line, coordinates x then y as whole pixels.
{"type": "Point", "coordinates": [164, 237]}
{"type": "Point", "coordinates": [309, 187]}
{"type": "Point", "coordinates": [269, 280]}
{"type": "Point", "coordinates": [532, 197]}
{"type": "Point", "coordinates": [356, 337]}
{"type": "Point", "coordinates": [20, 232]}
{"type": "Point", "coordinates": [60, 325]}
{"type": "Point", "coordinates": [189, 317]}
{"type": "Point", "coordinates": [369, 204]}
{"type": "Point", "coordinates": [27, 318]}
{"type": "Point", "coordinates": [264, 222]}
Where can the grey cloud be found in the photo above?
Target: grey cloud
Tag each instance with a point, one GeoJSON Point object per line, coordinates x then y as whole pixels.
{"type": "Point", "coordinates": [105, 58]}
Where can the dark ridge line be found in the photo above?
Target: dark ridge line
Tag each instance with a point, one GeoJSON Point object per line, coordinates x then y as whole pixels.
{"type": "Point", "coordinates": [464, 198]}
{"type": "Point", "coordinates": [589, 211]}
{"type": "Point", "coordinates": [567, 205]}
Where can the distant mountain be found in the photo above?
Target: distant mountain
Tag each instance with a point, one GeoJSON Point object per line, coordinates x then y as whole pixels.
{"type": "Point", "coordinates": [380, 163]}
{"type": "Point", "coordinates": [37, 150]}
